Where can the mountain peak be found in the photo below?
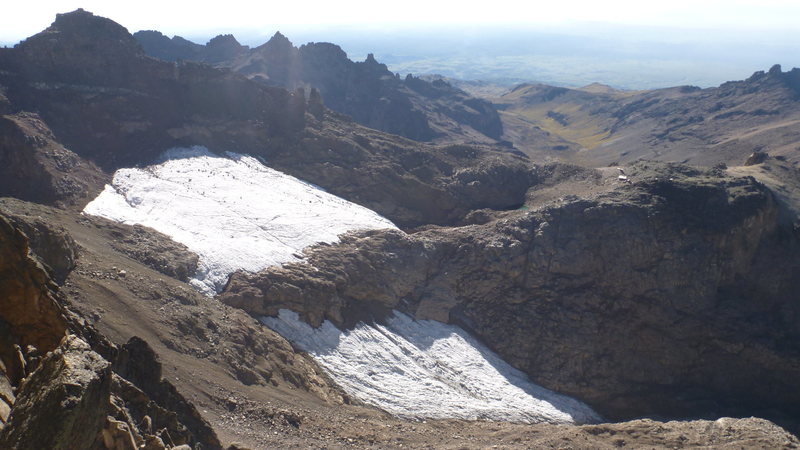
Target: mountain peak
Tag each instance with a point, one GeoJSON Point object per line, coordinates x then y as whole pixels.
{"type": "Point", "coordinates": [79, 46]}
{"type": "Point", "coordinates": [278, 40]}
{"type": "Point", "coordinates": [223, 47]}
{"type": "Point", "coordinates": [223, 40]}
{"type": "Point", "coordinates": [83, 23]}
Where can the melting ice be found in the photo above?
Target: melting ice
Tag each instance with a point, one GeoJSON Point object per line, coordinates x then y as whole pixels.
{"type": "Point", "coordinates": [423, 368]}
{"type": "Point", "coordinates": [231, 210]}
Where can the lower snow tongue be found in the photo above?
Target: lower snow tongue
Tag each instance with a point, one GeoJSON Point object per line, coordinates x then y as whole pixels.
{"type": "Point", "coordinates": [233, 211]}
{"type": "Point", "coordinates": [427, 369]}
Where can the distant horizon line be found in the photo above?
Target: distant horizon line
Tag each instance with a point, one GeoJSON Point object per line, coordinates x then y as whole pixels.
{"type": "Point", "coordinates": [197, 35]}
{"type": "Point", "coordinates": [385, 41]}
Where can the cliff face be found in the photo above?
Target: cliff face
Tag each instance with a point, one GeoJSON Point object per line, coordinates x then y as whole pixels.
{"type": "Point", "coordinates": [29, 315]}
{"type": "Point", "coordinates": [367, 91]}
{"type": "Point", "coordinates": [648, 298]}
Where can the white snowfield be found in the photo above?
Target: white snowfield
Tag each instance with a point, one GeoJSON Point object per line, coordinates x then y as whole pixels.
{"type": "Point", "coordinates": [231, 210]}
{"type": "Point", "coordinates": [427, 369]}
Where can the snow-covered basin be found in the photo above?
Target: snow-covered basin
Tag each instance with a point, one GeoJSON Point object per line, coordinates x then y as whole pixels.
{"type": "Point", "coordinates": [231, 210]}
{"type": "Point", "coordinates": [427, 369]}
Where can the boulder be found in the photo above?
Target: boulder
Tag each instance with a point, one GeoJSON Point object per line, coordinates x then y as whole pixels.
{"type": "Point", "coordinates": [64, 403]}
{"type": "Point", "coordinates": [756, 158]}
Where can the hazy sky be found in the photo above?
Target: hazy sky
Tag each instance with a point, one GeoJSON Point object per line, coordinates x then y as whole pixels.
{"type": "Point", "coordinates": [21, 19]}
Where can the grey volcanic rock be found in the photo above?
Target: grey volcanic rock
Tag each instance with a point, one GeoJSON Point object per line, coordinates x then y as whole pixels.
{"type": "Point", "coordinates": [675, 295]}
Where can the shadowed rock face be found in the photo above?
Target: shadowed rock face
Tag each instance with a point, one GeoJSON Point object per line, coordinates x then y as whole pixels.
{"type": "Point", "coordinates": [367, 91]}
{"type": "Point", "coordinates": [650, 298]}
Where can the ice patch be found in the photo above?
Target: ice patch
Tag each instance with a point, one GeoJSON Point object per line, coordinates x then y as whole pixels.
{"type": "Point", "coordinates": [427, 369]}
{"type": "Point", "coordinates": [233, 211]}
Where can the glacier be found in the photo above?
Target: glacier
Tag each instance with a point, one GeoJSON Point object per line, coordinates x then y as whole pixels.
{"type": "Point", "coordinates": [427, 369]}
{"type": "Point", "coordinates": [236, 213]}
{"type": "Point", "coordinates": [232, 210]}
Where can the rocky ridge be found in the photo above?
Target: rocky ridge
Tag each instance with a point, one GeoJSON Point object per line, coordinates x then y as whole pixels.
{"type": "Point", "coordinates": [367, 91]}
{"type": "Point", "coordinates": [131, 116]}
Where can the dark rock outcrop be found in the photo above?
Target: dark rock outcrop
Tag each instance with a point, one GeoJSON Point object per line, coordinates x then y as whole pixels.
{"type": "Point", "coordinates": [151, 248]}
{"type": "Point", "coordinates": [756, 158]}
{"type": "Point", "coordinates": [49, 243]}
{"type": "Point", "coordinates": [31, 322]}
{"type": "Point", "coordinates": [29, 314]}
{"type": "Point", "coordinates": [671, 295]}
{"type": "Point", "coordinates": [147, 394]}
{"type": "Point", "coordinates": [35, 167]}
